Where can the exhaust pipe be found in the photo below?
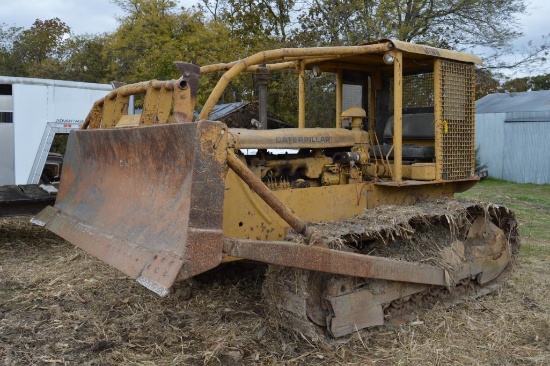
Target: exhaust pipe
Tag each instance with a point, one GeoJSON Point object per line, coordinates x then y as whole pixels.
{"type": "Point", "coordinates": [262, 79]}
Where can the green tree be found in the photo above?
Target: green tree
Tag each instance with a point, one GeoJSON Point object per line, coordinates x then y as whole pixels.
{"type": "Point", "coordinates": [517, 85]}
{"type": "Point", "coordinates": [540, 82]}
{"type": "Point", "coordinates": [44, 39]}
{"type": "Point", "coordinates": [48, 50]}
{"type": "Point", "coordinates": [487, 82]}
{"type": "Point", "coordinates": [8, 63]}
{"type": "Point", "coordinates": [40, 49]}
{"type": "Point", "coordinates": [153, 34]}
{"type": "Point", "coordinates": [527, 83]}
{"type": "Point", "coordinates": [87, 59]}
{"type": "Point", "coordinates": [256, 24]}
{"type": "Point", "coordinates": [34, 52]}
{"type": "Point", "coordinates": [135, 47]}
{"type": "Point", "coordinates": [456, 24]}
{"type": "Point", "coordinates": [448, 23]}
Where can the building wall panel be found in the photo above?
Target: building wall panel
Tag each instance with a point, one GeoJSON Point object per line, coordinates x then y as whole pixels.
{"type": "Point", "coordinates": [514, 151]}
{"type": "Point", "coordinates": [490, 142]}
{"type": "Point", "coordinates": [526, 155]}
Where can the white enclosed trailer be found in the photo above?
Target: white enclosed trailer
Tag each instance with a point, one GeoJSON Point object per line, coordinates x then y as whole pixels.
{"type": "Point", "coordinates": [30, 111]}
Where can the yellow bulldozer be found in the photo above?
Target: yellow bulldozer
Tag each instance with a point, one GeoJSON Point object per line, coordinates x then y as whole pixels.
{"type": "Point", "coordinates": [357, 222]}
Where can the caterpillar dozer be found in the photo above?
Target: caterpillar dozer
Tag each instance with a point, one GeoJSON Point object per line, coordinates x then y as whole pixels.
{"type": "Point", "coordinates": [357, 221]}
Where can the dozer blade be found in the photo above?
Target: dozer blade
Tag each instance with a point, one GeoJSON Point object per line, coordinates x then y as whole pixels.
{"type": "Point", "coordinates": [146, 200]}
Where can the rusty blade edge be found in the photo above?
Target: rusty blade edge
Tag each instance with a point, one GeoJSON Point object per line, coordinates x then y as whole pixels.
{"type": "Point", "coordinates": [156, 287]}
{"type": "Point", "coordinates": [129, 258]}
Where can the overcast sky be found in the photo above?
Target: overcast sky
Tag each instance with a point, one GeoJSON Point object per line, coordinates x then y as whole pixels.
{"type": "Point", "coordinates": [97, 16]}
{"type": "Point", "coordinates": [82, 16]}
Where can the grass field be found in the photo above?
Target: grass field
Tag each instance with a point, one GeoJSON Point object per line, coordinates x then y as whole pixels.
{"type": "Point", "coordinates": [61, 306]}
{"type": "Point", "coordinates": [530, 202]}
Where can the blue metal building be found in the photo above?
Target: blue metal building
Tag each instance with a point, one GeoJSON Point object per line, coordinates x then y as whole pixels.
{"type": "Point", "coordinates": [513, 135]}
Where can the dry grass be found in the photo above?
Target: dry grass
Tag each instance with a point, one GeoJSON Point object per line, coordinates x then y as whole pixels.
{"type": "Point", "coordinates": [59, 305]}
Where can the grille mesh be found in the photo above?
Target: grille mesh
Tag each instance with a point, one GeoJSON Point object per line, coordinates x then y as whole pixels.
{"type": "Point", "coordinates": [418, 91]}
{"type": "Point", "coordinates": [457, 101]}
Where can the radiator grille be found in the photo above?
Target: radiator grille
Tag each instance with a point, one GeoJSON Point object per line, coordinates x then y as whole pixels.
{"type": "Point", "coordinates": [458, 108]}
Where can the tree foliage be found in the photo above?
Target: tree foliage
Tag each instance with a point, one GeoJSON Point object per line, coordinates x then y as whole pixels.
{"type": "Point", "coordinates": [152, 34]}
{"type": "Point", "coordinates": [8, 63]}
{"type": "Point", "coordinates": [444, 23]}
{"type": "Point", "coordinates": [255, 24]}
{"type": "Point", "coordinates": [36, 51]}
{"type": "Point", "coordinates": [87, 59]}
{"type": "Point", "coordinates": [528, 83]}
{"type": "Point", "coordinates": [489, 83]}
{"type": "Point", "coordinates": [41, 41]}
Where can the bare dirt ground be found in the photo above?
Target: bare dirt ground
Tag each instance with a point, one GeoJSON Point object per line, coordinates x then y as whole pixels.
{"type": "Point", "coordinates": [58, 305]}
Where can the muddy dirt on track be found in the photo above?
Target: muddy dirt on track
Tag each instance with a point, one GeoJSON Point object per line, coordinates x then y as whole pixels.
{"type": "Point", "coordinates": [58, 305]}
